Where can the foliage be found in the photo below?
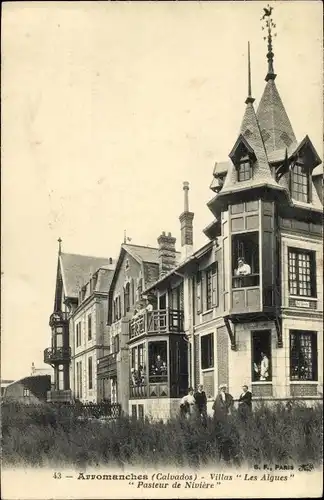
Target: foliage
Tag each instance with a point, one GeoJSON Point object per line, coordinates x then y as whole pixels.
{"type": "Point", "coordinates": [48, 436]}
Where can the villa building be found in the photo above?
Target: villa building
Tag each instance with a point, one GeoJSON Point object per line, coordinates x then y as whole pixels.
{"type": "Point", "coordinates": [78, 324]}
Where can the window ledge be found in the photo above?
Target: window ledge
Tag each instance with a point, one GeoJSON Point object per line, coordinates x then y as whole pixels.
{"type": "Point", "coordinates": [262, 382]}
{"type": "Point", "coordinates": [207, 311]}
{"type": "Point", "coordinates": [308, 382]}
{"type": "Point", "coordinates": [303, 297]}
{"type": "Point", "coordinates": [204, 370]}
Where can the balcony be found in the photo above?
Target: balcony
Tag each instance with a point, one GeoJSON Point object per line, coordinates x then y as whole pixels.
{"type": "Point", "coordinates": [58, 318]}
{"type": "Point", "coordinates": [158, 322]}
{"type": "Point", "coordinates": [57, 355]}
{"type": "Point", "coordinates": [107, 366]}
{"type": "Point", "coordinates": [62, 396]}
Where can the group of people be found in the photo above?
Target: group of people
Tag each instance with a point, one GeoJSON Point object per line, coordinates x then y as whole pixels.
{"type": "Point", "coordinates": [194, 404]}
{"type": "Point", "coordinates": [159, 367]}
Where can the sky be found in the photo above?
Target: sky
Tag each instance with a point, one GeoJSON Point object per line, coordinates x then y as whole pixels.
{"type": "Point", "coordinates": [106, 109]}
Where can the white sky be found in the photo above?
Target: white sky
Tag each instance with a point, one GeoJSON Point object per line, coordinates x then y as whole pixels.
{"type": "Point", "coordinates": [106, 109]}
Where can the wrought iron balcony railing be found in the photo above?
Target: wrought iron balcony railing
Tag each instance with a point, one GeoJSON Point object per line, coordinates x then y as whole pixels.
{"type": "Point", "coordinates": [58, 317]}
{"type": "Point", "coordinates": [57, 355]}
{"type": "Point", "coordinates": [157, 321]}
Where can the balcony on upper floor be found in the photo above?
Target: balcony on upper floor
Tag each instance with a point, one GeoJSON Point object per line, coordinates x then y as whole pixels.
{"type": "Point", "coordinates": [107, 366]}
{"type": "Point", "coordinates": [156, 322]}
{"type": "Point", "coordinates": [58, 318]}
{"type": "Point", "coordinates": [55, 355]}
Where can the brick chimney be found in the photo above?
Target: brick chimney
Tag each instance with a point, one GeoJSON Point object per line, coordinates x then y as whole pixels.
{"type": "Point", "coordinates": [186, 219]}
{"type": "Point", "coordinates": [167, 253]}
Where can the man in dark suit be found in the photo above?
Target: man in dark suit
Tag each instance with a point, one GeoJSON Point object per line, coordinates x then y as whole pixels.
{"type": "Point", "coordinates": [201, 404]}
{"type": "Point", "coordinates": [224, 429]}
{"type": "Point", "coordinates": [245, 403]}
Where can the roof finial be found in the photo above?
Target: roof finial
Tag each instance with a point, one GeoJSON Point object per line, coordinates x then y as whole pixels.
{"type": "Point", "coordinates": [186, 196]}
{"type": "Point", "coordinates": [269, 24]}
{"type": "Point", "coordinates": [60, 246]}
{"type": "Point", "coordinates": [125, 236]}
{"type": "Point", "coordinates": [249, 97]}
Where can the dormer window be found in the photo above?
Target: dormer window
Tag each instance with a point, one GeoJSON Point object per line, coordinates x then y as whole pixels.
{"type": "Point", "coordinates": [244, 169]}
{"type": "Point", "coordinates": [299, 183]}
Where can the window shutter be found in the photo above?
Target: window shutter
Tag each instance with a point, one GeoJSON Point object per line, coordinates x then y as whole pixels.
{"type": "Point", "coordinates": [198, 279]}
{"type": "Point", "coordinates": [203, 292]}
{"type": "Point", "coordinates": [215, 284]}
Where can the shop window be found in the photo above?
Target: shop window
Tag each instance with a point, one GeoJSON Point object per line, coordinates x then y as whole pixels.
{"type": "Point", "coordinates": [303, 355]}
{"type": "Point", "coordinates": [261, 356]}
{"type": "Point", "coordinates": [245, 259]}
{"type": "Point", "coordinates": [302, 272]}
{"type": "Point", "coordinates": [207, 351]}
{"type": "Point", "coordinates": [158, 370]}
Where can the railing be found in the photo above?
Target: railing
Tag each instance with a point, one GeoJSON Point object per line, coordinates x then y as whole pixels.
{"type": "Point", "coordinates": [157, 321]}
{"type": "Point", "coordinates": [58, 317]}
{"type": "Point", "coordinates": [107, 365]}
{"type": "Point", "coordinates": [57, 354]}
{"type": "Point", "coordinates": [246, 281]}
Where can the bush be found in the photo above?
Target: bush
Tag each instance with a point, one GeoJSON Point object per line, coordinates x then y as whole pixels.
{"type": "Point", "coordinates": [47, 435]}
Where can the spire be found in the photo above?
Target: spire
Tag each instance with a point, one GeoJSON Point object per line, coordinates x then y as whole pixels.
{"type": "Point", "coordinates": [269, 25]}
{"type": "Point", "coordinates": [249, 97]}
{"type": "Point", "coordinates": [60, 246]}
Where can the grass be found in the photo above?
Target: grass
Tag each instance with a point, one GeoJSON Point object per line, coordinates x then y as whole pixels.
{"type": "Point", "coordinates": [46, 437]}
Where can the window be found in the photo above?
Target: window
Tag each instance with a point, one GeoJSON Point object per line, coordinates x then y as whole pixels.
{"type": "Point", "coordinates": [302, 275]}
{"type": "Point", "coordinates": [138, 365]}
{"type": "Point", "coordinates": [127, 265]}
{"type": "Point", "coordinates": [134, 411]}
{"type": "Point", "coordinates": [59, 340]}
{"type": "Point", "coordinates": [90, 377]}
{"type": "Point", "coordinates": [207, 351]}
{"type": "Point", "coordinates": [79, 379]}
{"type": "Point", "coordinates": [126, 298]}
{"type": "Point", "coordinates": [211, 287]}
{"type": "Point", "coordinates": [244, 170]}
{"type": "Point", "coordinates": [198, 292]}
{"type": "Point", "coordinates": [299, 183]}
{"type": "Point", "coordinates": [78, 334]}
{"type": "Point", "coordinates": [60, 378]}
{"type": "Point", "coordinates": [261, 356]}
{"type": "Point", "coordinates": [141, 412]}
{"type": "Point", "coordinates": [89, 327]}
{"type": "Point", "coordinates": [26, 393]}
{"type": "Point", "coordinates": [158, 358]}
{"type": "Point", "coordinates": [245, 259]}
{"type": "Point", "coordinates": [116, 343]}
{"type": "Point", "coordinates": [303, 355]}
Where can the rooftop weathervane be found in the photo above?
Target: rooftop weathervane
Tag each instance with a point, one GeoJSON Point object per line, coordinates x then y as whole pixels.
{"type": "Point", "coordinates": [269, 26]}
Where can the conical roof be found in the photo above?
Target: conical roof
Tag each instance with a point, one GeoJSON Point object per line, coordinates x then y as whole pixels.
{"type": "Point", "coordinates": [275, 126]}
{"type": "Point", "coordinates": [250, 139]}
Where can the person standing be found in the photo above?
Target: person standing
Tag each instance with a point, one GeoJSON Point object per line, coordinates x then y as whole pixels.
{"type": "Point", "coordinates": [187, 404]}
{"type": "Point", "coordinates": [245, 403]}
{"type": "Point", "coordinates": [201, 404]}
{"type": "Point", "coordinates": [224, 430]}
{"type": "Point", "coordinates": [264, 367]}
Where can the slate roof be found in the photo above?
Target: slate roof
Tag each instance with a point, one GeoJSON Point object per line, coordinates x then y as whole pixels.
{"type": "Point", "coordinates": [104, 280]}
{"type": "Point", "coordinates": [76, 270]}
{"type": "Point", "coordinates": [145, 253]}
{"type": "Point", "coordinates": [275, 125]}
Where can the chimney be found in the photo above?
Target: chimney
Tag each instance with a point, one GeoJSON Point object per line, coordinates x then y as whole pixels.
{"type": "Point", "coordinates": [167, 253]}
{"type": "Point", "coordinates": [186, 219]}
